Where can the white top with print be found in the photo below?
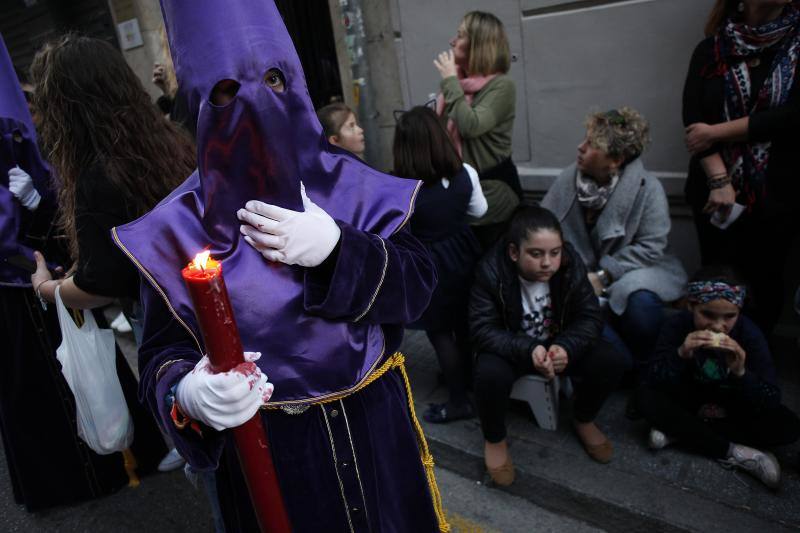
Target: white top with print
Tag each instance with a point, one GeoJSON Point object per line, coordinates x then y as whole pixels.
{"type": "Point", "coordinates": [537, 310]}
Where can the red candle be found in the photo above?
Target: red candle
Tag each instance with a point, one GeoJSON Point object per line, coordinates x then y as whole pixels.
{"type": "Point", "coordinates": [203, 277]}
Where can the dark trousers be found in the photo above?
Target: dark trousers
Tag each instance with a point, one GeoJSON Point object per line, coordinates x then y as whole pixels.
{"type": "Point", "coordinates": [636, 330]}
{"type": "Point", "coordinates": [596, 374]}
{"type": "Point", "coordinates": [757, 245]}
{"type": "Point", "coordinates": [673, 410]}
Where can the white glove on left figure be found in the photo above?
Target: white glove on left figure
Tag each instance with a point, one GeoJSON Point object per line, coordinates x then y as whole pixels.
{"type": "Point", "coordinates": [304, 238]}
{"type": "Point", "coordinates": [21, 186]}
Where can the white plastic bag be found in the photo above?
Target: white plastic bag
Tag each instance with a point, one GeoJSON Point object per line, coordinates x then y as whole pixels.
{"type": "Point", "coordinates": [88, 361]}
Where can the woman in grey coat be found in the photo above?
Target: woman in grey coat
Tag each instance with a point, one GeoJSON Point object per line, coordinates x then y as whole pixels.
{"type": "Point", "coordinates": [615, 214]}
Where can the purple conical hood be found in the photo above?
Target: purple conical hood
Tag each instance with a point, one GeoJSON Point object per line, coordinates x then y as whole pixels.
{"type": "Point", "coordinates": [18, 147]}
{"type": "Point", "coordinates": [12, 102]}
{"type": "Point", "coordinates": [260, 146]}
{"type": "Point", "coordinates": [212, 40]}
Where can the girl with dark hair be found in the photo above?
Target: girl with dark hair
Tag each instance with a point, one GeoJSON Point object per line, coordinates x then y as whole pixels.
{"type": "Point", "coordinates": [451, 193]}
{"type": "Point", "coordinates": [741, 108]}
{"type": "Point", "coordinates": [116, 157]}
{"type": "Point", "coordinates": [711, 384]}
{"type": "Point", "coordinates": [533, 310]}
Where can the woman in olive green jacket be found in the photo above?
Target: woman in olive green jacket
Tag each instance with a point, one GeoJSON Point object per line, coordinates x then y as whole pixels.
{"type": "Point", "coordinates": [479, 100]}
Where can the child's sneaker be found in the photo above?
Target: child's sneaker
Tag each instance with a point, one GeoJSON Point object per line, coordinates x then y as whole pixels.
{"type": "Point", "coordinates": [762, 465]}
{"type": "Point", "coordinates": [658, 440]}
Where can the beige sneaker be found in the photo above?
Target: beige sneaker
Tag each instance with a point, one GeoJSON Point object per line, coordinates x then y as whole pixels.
{"type": "Point", "coordinates": [762, 465]}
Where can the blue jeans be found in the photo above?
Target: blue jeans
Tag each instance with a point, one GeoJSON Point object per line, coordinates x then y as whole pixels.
{"type": "Point", "coordinates": [209, 482]}
{"type": "Point", "coordinates": [635, 331]}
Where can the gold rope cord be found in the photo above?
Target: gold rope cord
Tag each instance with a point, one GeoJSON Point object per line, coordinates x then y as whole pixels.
{"type": "Point", "coordinates": [427, 458]}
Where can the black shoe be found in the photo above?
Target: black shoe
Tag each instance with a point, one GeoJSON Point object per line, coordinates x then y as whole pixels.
{"type": "Point", "coordinates": [442, 413]}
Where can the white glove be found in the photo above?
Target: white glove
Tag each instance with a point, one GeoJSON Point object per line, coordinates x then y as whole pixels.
{"type": "Point", "coordinates": [224, 400]}
{"type": "Point", "coordinates": [304, 238]}
{"type": "Point", "coordinates": [21, 185]}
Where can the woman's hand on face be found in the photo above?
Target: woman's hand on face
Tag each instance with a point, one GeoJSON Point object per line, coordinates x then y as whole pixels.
{"type": "Point", "coordinates": [693, 341]}
{"type": "Point", "coordinates": [597, 285]}
{"type": "Point", "coordinates": [160, 77]}
{"type": "Point", "coordinates": [446, 64]}
{"type": "Point", "coordinates": [736, 355]}
{"type": "Point", "coordinates": [699, 137]}
{"type": "Point", "coordinates": [721, 200]}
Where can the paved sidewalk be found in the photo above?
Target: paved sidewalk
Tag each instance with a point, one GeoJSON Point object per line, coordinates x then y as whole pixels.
{"type": "Point", "coordinates": [665, 491]}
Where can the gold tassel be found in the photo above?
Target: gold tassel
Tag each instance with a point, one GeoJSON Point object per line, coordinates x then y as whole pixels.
{"type": "Point", "coordinates": [130, 468]}
{"type": "Point", "coordinates": [427, 458]}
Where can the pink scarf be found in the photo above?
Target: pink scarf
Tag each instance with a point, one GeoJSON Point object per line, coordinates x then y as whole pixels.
{"type": "Point", "coordinates": [471, 85]}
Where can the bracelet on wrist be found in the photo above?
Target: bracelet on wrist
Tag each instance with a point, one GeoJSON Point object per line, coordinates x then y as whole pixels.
{"type": "Point", "coordinates": [718, 183]}
{"type": "Point", "coordinates": [38, 291]}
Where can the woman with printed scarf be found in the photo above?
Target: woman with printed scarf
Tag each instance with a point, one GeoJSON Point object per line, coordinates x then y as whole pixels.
{"type": "Point", "coordinates": [740, 106]}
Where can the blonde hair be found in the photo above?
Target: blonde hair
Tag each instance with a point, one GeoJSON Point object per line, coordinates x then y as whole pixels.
{"type": "Point", "coordinates": [488, 45]}
{"type": "Point", "coordinates": [622, 132]}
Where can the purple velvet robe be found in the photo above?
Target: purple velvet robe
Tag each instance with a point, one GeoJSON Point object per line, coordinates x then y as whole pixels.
{"type": "Point", "coordinates": [352, 464]}
{"type": "Point", "coordinates": [18, 147]}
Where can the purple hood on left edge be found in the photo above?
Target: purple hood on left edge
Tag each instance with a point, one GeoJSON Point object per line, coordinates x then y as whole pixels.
{"type": "Point", "coordinates": [18, 147]}
{"type": "Point", "coordinates": [260, 146]}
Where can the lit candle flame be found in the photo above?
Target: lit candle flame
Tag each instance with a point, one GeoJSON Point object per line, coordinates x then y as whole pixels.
{"type": "Point", "coordinates": [200, 261]}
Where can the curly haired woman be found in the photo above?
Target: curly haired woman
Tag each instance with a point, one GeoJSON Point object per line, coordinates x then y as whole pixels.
{"type": "Point", "coordinates": [616, 215]}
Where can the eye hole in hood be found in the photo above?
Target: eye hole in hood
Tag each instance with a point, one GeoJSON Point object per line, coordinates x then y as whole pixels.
{"type": "Point", "coordinates": [224, 92]}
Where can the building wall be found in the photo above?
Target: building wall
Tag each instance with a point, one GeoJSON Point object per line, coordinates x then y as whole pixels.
{"type": "Point", "coordinates": [570, 58]}
{"type": "Point", "coordinates": [142, 58]}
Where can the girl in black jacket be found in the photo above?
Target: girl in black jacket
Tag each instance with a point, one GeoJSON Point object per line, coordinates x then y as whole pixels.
{"type": "Point", "coordinates": [533, 310]}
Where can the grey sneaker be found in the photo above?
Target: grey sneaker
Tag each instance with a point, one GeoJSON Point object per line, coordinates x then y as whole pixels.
{"type": "Point", "coordinates": [171, 461]}
{"type": "Point", "coordinates": [657, 440]}
{"type": "Point", "coordinates": [762, 465]}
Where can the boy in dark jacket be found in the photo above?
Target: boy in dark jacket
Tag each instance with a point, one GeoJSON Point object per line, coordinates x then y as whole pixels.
{"type": "Point", "coordinates": [711, 383]}
{"type": "Point", "coordinates": [533, 310]}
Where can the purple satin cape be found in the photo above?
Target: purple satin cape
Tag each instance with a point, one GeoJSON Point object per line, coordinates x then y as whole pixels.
{"type": "Point", "coordinates": [18, 147]}
{"type": "Point", "coordinates": [260, 146]}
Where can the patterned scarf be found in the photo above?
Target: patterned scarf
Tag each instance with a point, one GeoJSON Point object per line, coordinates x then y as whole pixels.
{"type": "Point", "coordinates": [470, 85]}
{"type": "Point", "coordinates": [734, 45]}
{"type": "Point", "coordinates": [590, 194]}
{"type": "Point", "coordinates": [706, 291]}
